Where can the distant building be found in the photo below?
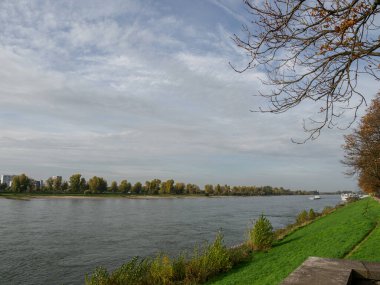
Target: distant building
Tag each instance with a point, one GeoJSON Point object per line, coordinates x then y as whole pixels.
{"type": "Point", "coordinates": [7, 179]}
{"type": "Point", "coordinates": [38, 184]}
{"type": "Point", "coordinates": [57, 177]}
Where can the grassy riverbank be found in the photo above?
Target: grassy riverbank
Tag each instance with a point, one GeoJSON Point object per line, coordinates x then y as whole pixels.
{"type": "Point", "coordinates": [349, 232]}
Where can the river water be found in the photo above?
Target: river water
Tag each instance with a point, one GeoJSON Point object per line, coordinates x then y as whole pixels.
{"type": "Point", "coordinates": [57, 241]}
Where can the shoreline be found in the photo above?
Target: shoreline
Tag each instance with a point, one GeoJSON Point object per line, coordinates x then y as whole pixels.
{"type": "Point", "coordinates": [24, 196]}
{"type": "Point", "coordinates": [29, 196]}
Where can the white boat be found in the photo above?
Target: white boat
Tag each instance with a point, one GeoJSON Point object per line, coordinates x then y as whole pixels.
{"type": "Point", "coordinates": [316, 197]}
{"type": "Point", "coordinates": [346, 196]}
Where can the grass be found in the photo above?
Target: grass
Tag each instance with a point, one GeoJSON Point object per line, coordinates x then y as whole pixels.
{"type": "Point", "coordinates": [369, 249]}
{"type": "Point", "coordinates": [206, 261]}
{"type": "Point", "coordinates": [334, 236]}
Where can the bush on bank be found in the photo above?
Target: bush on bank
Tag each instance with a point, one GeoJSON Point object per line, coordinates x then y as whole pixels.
{"type": "Point", "coordinates": [261, 236]}
{"type": "Point", "coordinates": [205, 262]}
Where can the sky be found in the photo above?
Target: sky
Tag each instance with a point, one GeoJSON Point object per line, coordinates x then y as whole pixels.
{"type": "Point", "coordinates": [142, 89]}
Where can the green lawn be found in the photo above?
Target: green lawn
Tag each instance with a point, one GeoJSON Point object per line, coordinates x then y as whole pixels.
{"type": "Point", "coordinates": [370, 249]}
{"type": "Point", "coordinates": [334, 235]}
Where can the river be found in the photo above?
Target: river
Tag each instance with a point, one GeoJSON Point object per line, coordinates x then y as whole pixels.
{"type": "Point", "coordinates": [56, 241]}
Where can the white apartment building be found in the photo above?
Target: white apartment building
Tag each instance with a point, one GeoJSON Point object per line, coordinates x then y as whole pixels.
{"type": "Point", "coordinates": [7, 179]}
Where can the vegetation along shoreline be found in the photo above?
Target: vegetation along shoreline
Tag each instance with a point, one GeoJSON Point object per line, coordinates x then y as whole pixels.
{"type": "Point", "coordinates": [267, 256]}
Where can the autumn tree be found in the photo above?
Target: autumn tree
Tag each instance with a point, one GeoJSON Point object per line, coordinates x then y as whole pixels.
{"type": "Point", "coordinates": [179, 188]}
{"type": "Point", "coordinates": [192, 189]}
{"type": "Point", "coordinates": [137, 188]}
{"type": "Point", "coordinates": [362, 150]}
{"type": "Point", "coordinates": [57, 183]}
{"type": "Point", "coordinates": [77, 183]}
{"type": "Point", "coordinates": [65, 186]}
{"type": "Point", "coordinates": [167, 187]}
{"type": "Point", "coordinates": [97, 185]}
{"type": "Point", "coordinates": [125, 186]}
{"type": "Point", "coordinates": [21, 183]}
{"type": "Point", "coordinates": [113, 188]}
{"type": "Point", "coordinates": [209, 189]}
{"type": "Point", "coordinates": [312, 51]}
{"type": "Point", "coordinates": [152, 187]}
{"type": "Point", "coordinates": [218, 189]}
{"type": "Point", "coordinates": [54, 184]}
{"type": "Point", "coordinates": [49, 184]}
{"type": "Point", "coordinates": [3, 186]}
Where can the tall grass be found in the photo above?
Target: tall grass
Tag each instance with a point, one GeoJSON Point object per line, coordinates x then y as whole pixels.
{"type": "Point", "coordinates": [205, 262]}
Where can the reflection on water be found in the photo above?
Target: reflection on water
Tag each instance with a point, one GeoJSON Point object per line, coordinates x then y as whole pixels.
{"type": "Point", "coordinates": [57, 241]}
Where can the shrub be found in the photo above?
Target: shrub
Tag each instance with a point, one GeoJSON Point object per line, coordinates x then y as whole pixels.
{"type": "Point", "coordinates": [161, 270]}
{"type": "Point", "coordinates": [208, 261]}
{"type": "Point", "coordinates": [312, 215]}
{"type": "Point", "coordinates": [240, 253]}
{"type": "Point", "coordinates": [302, 217]}
{"type": "Point", "coordinates": [261, 236]}
{"type": "Point", "coordinates": [99, 277]}
{"type": "Point", "coordinates": [352, 199]}
{"type": "Point", "coordinates": [134, 272]}
{"type": "Point", "coordinates": [87, 192]}
{"type": "Point", "coordinates": [326, 210]}
{"type": "Point", "coordinates": [281, 233]}
{"type": "Point", "coordinates": [179, 268]}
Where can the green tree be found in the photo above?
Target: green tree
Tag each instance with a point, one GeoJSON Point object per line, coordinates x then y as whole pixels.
{"type": "Point", "coordinates": [261, 236]}
{"type": "Point", "coordinates": [226, 190]}
{"type": "Point", "coordinates": [137, 188]}
{"type": "Point", "coordinates": [167, 187]}
{"type": "Point", "coordinates": [97, 185]}
{"type": "Point", "coordinates": [179, 188]}
{"type": "Point", "coordinates": [209, 189]}
{"type": "Point", "coordinates": [190, 189]}
{"type": "Point", "coordinates": [153, 187]}
{"type": "Point", "coordinates": [83, 185]}
{"type": "Point", "coordinates": [57, 184]}
{"type": "Point", "coordinates": [21, 183]}
{"type": "Point", "coordinates": [65, 186]}
{"type": "Point", "coordinates": [218, 189]}
{"type": "Point", "coordinates": [49, 184]}
{"type": "Point", "coordinates": [77, 183]}
{"type": "Point", "coordinates": [53, 184]}
{"type": "Point", "coordinates": [125, 186]}
{"type": "Point", "coordinates": [362, 150]}
{"type": "Point", "coordinates": [114, 188]}
{"type": "Point", "coordinates": [3, 187]}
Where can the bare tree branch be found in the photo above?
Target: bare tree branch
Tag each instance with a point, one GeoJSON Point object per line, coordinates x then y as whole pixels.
{"type": "Point", "coordinates": [313, 50]}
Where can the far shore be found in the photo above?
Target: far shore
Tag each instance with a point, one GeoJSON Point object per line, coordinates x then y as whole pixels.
{"type": "Point", "coordinates": [29, 196]}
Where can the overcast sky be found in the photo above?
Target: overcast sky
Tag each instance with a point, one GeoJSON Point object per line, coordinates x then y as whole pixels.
{"type": "Point", "coordinates": [142, 89]}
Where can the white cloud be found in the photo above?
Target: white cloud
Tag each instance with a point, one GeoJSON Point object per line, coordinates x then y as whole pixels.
{"type": "Point", "coordinates": [127, 90]}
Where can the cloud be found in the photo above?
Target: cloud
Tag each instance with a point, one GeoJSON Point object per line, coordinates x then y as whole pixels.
{"type": "Point", "coordinates": [135, 90]}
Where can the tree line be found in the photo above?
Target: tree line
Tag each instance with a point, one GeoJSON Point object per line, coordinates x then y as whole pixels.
{"type": "Point", "coordinates": [77, 184]}
{"type": "Point", "coordinates": [362, 150]}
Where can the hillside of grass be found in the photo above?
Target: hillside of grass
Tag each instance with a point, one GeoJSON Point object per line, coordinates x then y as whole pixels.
{"type": "Point", "coordinates": [350, 231]}
{"type": "Point", "coordinates": [369, 249]}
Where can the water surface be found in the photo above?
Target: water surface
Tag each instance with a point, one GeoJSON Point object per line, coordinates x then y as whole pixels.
{"type": "Point", "coordinates": [57, 241]}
